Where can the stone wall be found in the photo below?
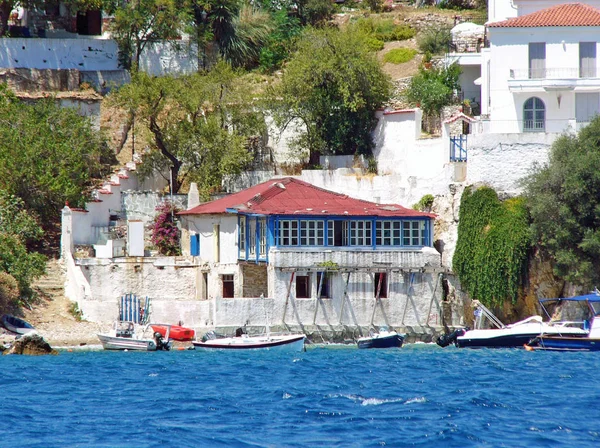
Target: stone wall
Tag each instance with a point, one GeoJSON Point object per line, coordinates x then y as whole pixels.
{"type": "Point", "coordinates": [254, 280]}
{"type": "Point", "coordinates": [142, 204]}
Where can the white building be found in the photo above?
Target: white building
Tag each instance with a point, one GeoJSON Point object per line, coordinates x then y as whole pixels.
{"type": "Point", "coordinates": [540, 73]}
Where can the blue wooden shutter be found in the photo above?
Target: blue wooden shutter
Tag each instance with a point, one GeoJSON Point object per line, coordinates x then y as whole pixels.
{"type": "Point", "coordinates": [195, 245]}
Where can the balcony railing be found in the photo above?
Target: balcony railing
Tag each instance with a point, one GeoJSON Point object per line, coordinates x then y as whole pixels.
{"type": "Point", "coordinates": [472, 45]}
{"type": "Point", "coordinates": [552, 73]}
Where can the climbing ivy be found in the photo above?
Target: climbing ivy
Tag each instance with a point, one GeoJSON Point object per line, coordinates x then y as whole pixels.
{"type": "Point", "coordinates": [492, 246]}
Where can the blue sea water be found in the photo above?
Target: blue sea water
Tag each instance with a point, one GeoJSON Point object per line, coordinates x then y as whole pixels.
{"type": "Point", "coordinates": [331, 396]}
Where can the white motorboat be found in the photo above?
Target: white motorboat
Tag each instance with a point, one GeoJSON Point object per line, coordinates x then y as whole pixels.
{"type": "Point", "coordinates": [242, 341]}
{"type": "Point", "coordinates": [507, 336]}
{"type": "Point", "coordinates": [126, 335]}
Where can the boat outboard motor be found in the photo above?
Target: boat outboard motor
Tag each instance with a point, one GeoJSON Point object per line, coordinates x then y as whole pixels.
{"type": "Point", "coordinates": [160, 343]}
{"type": "Point", "coordinates": [450, 338]}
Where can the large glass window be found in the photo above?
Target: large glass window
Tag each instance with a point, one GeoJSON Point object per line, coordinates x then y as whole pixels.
{"type": "Point", "coordinates": [534, 115]}
{"type": "Point", "coordinates": [312, 233]}
{"type": "Point", "coordinates": [359, 233]}
{"type": "Point", "coordinates": [388, 233]}
{"type": "Point", "coordinates": [288, 233]}
{"type": "Point", "coordinates": [413, 233]}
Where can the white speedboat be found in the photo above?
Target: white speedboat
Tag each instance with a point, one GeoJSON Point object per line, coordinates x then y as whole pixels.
{"type": "Point", "coordinates": [513, 335]}
{"type": "Point", "coordinates": [126, 335]}
{"type": "Point", "coordinates": [242, 341]}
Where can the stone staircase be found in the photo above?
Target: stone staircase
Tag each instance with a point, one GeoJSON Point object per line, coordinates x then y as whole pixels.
{"type": "Point", "coordinates": [52, 284]}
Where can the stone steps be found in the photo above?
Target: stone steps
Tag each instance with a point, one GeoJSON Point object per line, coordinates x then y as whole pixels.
{"type": "Point", "coordinates": [53, 282]}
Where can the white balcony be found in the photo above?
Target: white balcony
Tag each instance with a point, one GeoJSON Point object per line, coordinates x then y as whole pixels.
{"type": "Point", "coordinates": [565, 78]}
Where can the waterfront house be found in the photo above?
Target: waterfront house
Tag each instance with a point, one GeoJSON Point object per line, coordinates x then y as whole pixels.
{"type": "Point", "coordinates": [323, 257]}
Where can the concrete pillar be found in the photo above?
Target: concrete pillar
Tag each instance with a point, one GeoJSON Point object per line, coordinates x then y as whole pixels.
{"type": "Point", "coordinates": [66, 239]}
{"type": "Point", "coordinates": [193, 196]}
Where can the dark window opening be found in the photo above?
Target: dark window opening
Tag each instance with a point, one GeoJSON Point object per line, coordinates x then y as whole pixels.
{"type": "Point", "coordinates": [205, 286]}
{"type": "Point", "coordinates": [302, 287]}
{"type": "Point", "coordinates": [380, 285]}
{"type": "Point", "coordinates": [338, 233]}
{"type": "Point", "coordinates": [228, 286]}
{"type": "Point", "coordinates": [325, 278]}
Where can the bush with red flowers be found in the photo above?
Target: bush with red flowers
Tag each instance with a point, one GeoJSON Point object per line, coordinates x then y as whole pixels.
{"type": "Point", "coordinates": [165, 233]}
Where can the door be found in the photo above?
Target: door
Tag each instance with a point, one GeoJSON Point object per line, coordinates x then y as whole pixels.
{"type": "Point", "coordinates": [537, 60]}
{"type": "Point", "coordinates": [587, 59]}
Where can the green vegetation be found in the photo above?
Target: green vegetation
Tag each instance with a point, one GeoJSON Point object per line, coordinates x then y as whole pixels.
{"type": "Point", "coordinates": [332, 85]}
{"type": "Point", "coordinates": [399, 55]}
{"type": "Point", "coordinates": [201, 127]}
{"type": "Point", "coordinates": [75, 311]}
{"type": "Point", "coordinates": [425, 203]}
{"type": "Point", "coordinates": [565, 206]}
{"type": "Point", "coordinates": [374, 44]}
{"type": "Point", "coordinates": [433, 88]}
{"type": "Point", "coordinates": [48, 155]}
{"type": "Point", "coordinates": [383, 29]}
{"type": "Point", "coordinates": [435, 39]}
{"type": "Point", "coordinates": [492, 247]}
{"type": "Point", "coordinates": [18, 230]}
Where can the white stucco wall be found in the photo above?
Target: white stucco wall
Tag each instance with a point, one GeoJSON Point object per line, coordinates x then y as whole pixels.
{"type": "Point", "coordinates": [169, 58]}
{"type": "Point", "coordinates": [204, 225]}
{"type": "Point", "coordinates": [501, 10]}
{"type": "Point", "coordinates": [509, 54]}
{"type": "Point", "coordinates": [527, 6]}
{"type": "Point", "coordinates": [502, 160]}
{"type": "Point", "coordinates": [81, 54]}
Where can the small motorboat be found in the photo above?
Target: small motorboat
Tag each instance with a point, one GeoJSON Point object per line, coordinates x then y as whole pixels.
{"type": "Point", "coordinates": [126, 335]}
{"type": "Point", "coordinates": [590, 342]}
{"type": "Point", "coordinates": [242, 341]}
{"type": "Point", "coordinates": [381, 339]}
{"type": "Point", "coordinates": [176, 332]}
{"type": "Point", "coordinates": [16, 324]}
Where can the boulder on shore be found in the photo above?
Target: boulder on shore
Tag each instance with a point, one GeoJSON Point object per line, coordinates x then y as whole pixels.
{"type": "Point", "coordinates": [30, 344]}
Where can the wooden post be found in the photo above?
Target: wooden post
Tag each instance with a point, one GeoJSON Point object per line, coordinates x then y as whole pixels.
{"type": "Point", "coordinates": [287, 297]}
{"type": "Point", "coordinates": [377, 295]}
{"type": "Point", "coordinates": [319, 289]}
{"type": "Point", "coordinates": [433, 298]}
{"type": "Point", "coordinates": [344, 298]}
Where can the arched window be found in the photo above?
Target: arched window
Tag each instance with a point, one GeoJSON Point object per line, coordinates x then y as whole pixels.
{"type": "Point", "coordinates": [534, 115]}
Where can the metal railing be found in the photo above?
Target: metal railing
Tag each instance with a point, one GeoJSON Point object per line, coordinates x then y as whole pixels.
{"type": "Point", "coordinates": [551, 73]}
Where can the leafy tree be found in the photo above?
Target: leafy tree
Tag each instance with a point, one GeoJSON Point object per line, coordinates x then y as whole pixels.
{"type": "Point", "coordinates": [433, 88]}
{"type": "Point", "coordinates": [280, 42]}
{"type": "Point", "coordinates": [332, 85]}
{"type": "Point", "coordinates": [48, 155]}
{"type": "Point", "coordinates": [199, 126]}
{"type": "Point", "coordinates": [18, 229]}
{"type": "Point", "coordinates": [562, 196]}
{"type": "Point", "coordinates": [140, 22]}
{"type": "Point", "coordinates": [315, 12]}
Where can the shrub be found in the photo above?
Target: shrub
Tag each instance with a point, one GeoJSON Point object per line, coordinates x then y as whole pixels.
{"type": "Point", "coordinates": [384, 29]}
{"type": "Point", "coordinates": [374, 44]}
{"type": "Point", "coordinates": [9, 291]}
{"type": "Point", "coordinates": [424, 203]}
{"type": "Point", "coordinates": [435, 39]}
{"type": "Point", "coordinates": [399, 55]}
{"type": "Point", "coordinates": [165, 234]}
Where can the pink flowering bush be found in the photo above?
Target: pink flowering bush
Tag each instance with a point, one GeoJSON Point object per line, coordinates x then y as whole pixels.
{"type": "Point", "coordinates": [165, 234]}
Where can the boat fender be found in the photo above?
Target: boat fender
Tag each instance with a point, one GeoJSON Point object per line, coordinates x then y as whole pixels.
{"type": "Point", "coordinates": [450, 338]}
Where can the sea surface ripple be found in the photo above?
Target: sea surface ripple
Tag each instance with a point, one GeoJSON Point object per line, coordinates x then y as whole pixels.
{"type": "Point", "coordinates": [328, 396]}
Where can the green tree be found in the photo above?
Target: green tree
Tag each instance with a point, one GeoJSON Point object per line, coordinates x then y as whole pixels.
{"type": "Point", "coordinates": [432, 89]}
{"type": "Point", "coordinates": [199, 127]}
{"type": "Point", "coordinates": [48, 155]}
{"type": "Point", "coordinates": [140, 22]}
{"type": "Point", "coordinates": [332, 85]}
{"type": "Point", "coordinates": [563, 199]}
{"type": "Point", "coordinates": [18, 230]}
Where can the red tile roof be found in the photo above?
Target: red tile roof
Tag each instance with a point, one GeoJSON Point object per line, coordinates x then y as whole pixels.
{"type": "Point", "coordinates": [289, 196]}
{"type": "Point", "coordinates": [566, 14]}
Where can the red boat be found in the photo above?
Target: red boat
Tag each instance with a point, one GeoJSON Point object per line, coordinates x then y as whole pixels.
{"type": "Point", "coordinates": [174, 332]}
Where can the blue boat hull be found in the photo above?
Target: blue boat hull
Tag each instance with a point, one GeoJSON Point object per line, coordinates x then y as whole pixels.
{"type": "Point", "coordinates": [566, 344]}
{"type": "Point", "coordinates": [395, 340]}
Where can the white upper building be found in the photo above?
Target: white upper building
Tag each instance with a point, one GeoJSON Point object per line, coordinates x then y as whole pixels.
{"type": "Point", "coordinates": [540, 72]}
